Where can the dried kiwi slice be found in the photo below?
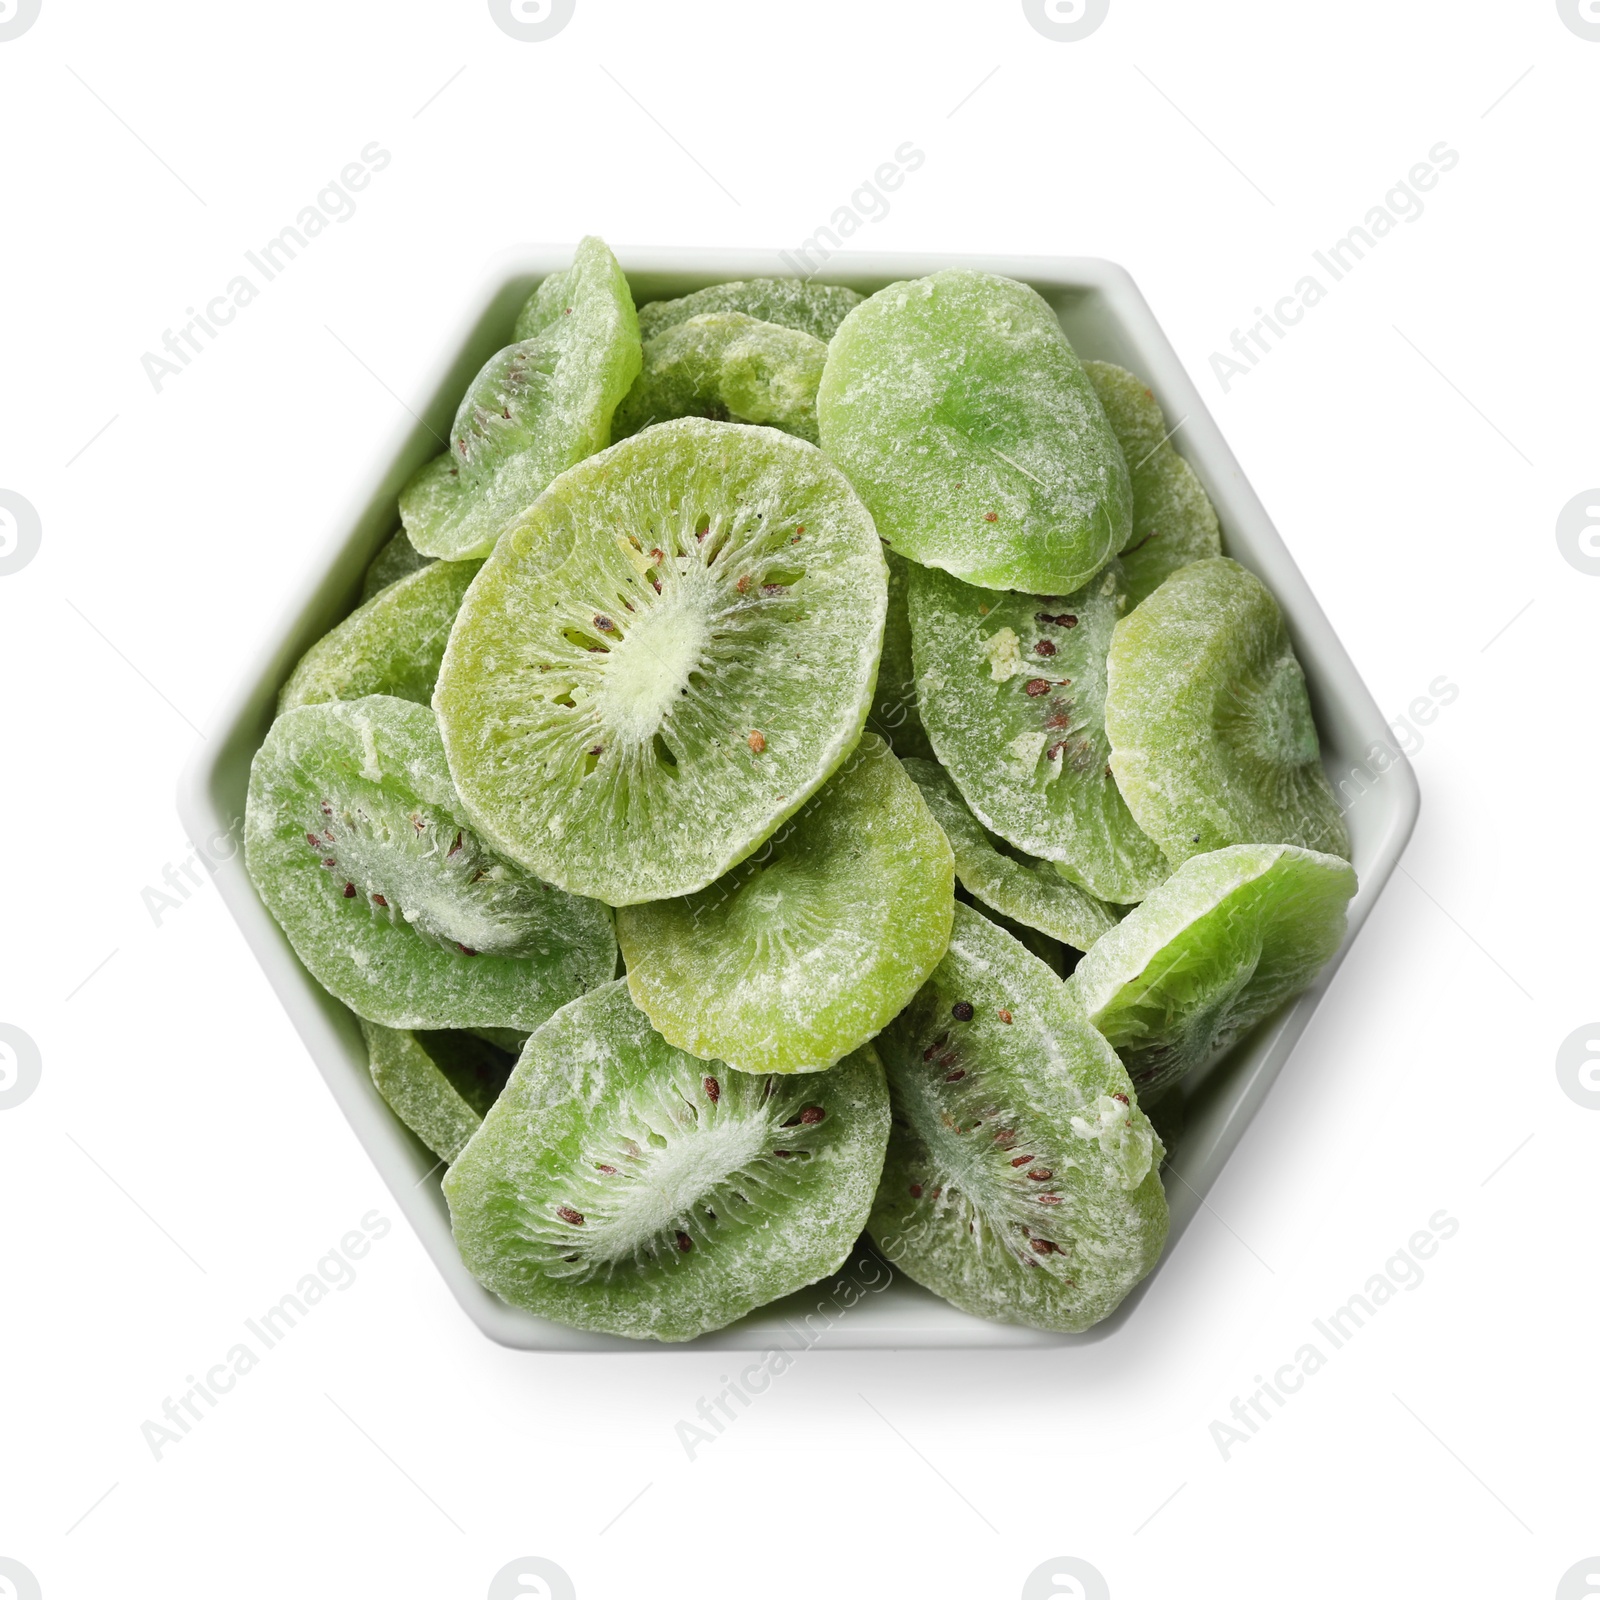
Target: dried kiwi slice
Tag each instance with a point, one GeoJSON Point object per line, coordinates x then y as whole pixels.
{"type": "Point", "coordinates": [548, 303]}
{"type": "Point", "coordinates": [1016, 885]}
{"type": "Point", "coordinates": [1058, 957]}
{"type": "Point", "coordinates": [1174, 521]}
{"type": "Point", "coordinates": [1221, 944]}
{"type": "Point", "coordinates": [391, 645]}
{"type": "Point", "coordinates": [894, 716]}
{"type": "Point", "coordinates": [968, 425]}
{"type": "Point", "coordinates": [814, 308]}
{"type": "Point", "coordinates": [1022, 1179]}
{"type": "Point", "coordinates": [728, 367]}
{"type": "Point", "coordinates": [622, 1185]}
{"type": "Point", "coordinates": [664, 659]}
{"type": "Point", "coordinates": [809, 946]}
{"type": "Point", "coordinates": [1012, 689]}
{"type": "Point", "coordinates": [439, 1083]}
{"type": "Point", "coordinates": [394, 561]}
{"type": "Point", "coordinates": [535, 409]}
{"type": "Point", "coordinates": [359, 845]}
{"type": "Point", "coordinates": [1212, 739]}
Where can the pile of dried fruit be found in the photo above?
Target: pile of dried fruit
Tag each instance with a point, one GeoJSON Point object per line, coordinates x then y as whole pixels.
{"type": "Point", "coordinates": [887, 661]}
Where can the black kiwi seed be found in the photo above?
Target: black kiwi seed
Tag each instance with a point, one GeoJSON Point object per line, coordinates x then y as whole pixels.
{"type": "Point", "coordinates": [962, 1011]}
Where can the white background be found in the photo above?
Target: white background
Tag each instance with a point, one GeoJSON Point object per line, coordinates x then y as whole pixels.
{"type": "Point", "coordinates": [181, 1165]}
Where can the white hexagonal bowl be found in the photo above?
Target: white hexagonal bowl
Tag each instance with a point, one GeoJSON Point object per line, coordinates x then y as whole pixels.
{"type": "Point", "coordinates": [867, 1306]}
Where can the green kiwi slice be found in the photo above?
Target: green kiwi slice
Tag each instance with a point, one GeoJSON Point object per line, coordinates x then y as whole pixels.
{"type": "Point", "coordinates": [549, 301]}
{"type": "Point", "coordinates": [813, 308]}
{"type": "Point", "coordinates": [1022, 1180]}
{"type": "Point", "coordinates": [729, 367]}
{"type": "Point", "coordinates": [395, 560]}
{"type": "Point", "coordinates": [439, 1083]}
{"type": "Point", "coordinates": [1221, 944]}
{"type": "Point", "coordinates": [537, 407]}
{"type": "Point", "coordinates": [1058, 957]}
{"type": "Point", "coordinates": [810, 945]}
{"type": "Point", "coordinates": [664, 659]}
{"type": "Point", "coordinates": [894, 716]}
{"type": "Point", "coordinates": [1174, 521]}
{"type": "Point", "coordinates": [622, 1185]}
{"type": "Point", "coordinates": [1212, 739]}
{"type": "Point", "coordinates": [1008, 881]}
{"type": "Point", "coordinates": [965, 420]}
{"type": "Point", "coordinates": [1012, 690]}
{"type": "Point", "coordinates": [359, 845]}
{"type": "Point", "coordinates": [391, 645]}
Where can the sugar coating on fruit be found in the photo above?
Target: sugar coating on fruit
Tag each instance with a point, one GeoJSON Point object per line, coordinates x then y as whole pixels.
{"type": "Point", "coordinates": [816, 309]}
{"type": "Point", "coordinates": [538, 406]}
{"type": "Point", "coordinates": [438, 1084]}
{"type": "Point", "coordinates": [990, 1196]}
{"type": "Point", "coordinates": [659, 602]}
{"type": "Point", "coordinates": [392, 644]}
{"type": "Point", "coordinates": [1212, 737]}
{"type": "Point", "coordinates": [1008, 881]}
{"type": "Point", "coordinates": [961, 413]}
{"type": "Point", "coordinates": [728, 367]}
{"type": "Point", "coordinates": [812, 944]}
{"type": "Point", "coordinates": [397, 559]}
{"type": "Point", "coordinates": [549, 302]}
{"type": "Point", "coordinates": [360, 847]}
{"type": "Point", "coordinates": [1012, 692]}
{"type": "Point", "coordinates": [1174, 521]}
{"type": "Point", "coordinates": [1057, 956]}
{"type": "Point", "coordinates": [894, 716]}
{"type": "Point", "coordinates": [1003, 650]}
{"type": "Point", "coordinates": [622, 1185]}
{"type": "Point", "coordinates": [1225, 941]}
{"type": "Point", "coordinates": [1128, 1143]}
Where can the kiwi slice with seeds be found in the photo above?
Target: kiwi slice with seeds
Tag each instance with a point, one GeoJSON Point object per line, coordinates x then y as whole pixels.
{"type": "Point", "coordinates": [664, 659]}
{"type": "Point", "coordinates": [547, 304]}
{"type": "Point", "coordinates": [813, 308]}
{"type": "Point", "coordinates": [1022, 1180]}
{"type": "Point", "coordinates": [730, 368]}
{"type": "Point", "coordinates": [622, 1185]}
{"type": "Point", "coordinates": [395, 560]}
{"type": "Point", "coordinates": [810, 945]}
{"type": "Point", "coordinates": [1007, 879]}
{"type": "Point", "coordinates": [391, 645]}
{"type": "Point", "coordinates": [1012, 692]}
{"type": "Point", "coordinates": [537, 406]}
{"type": "Point", "coordinates": [1212, 738]}
{"type": "Point", "coordinates": [966, 422]}
{"type": "Point", "coordinates": [440, 1083]}
{"type": "Point", "coordinates": [360, 847]}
